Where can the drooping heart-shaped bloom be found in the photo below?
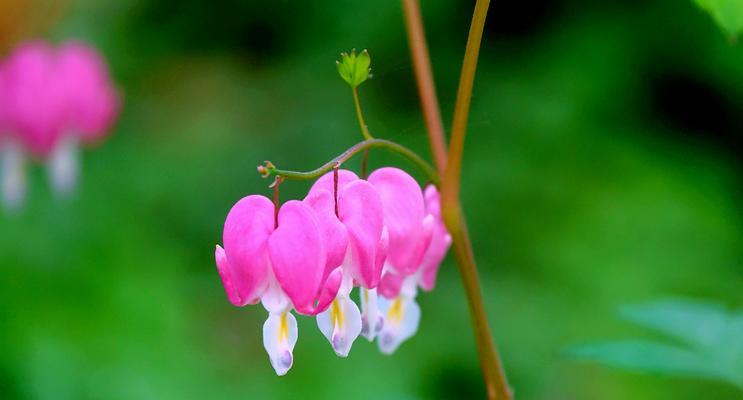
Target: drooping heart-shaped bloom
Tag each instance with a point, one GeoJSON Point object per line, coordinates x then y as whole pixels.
{"type": "Point", "coordinates": [51, 101]}
{"type": "Point", "coordinates": [354, 211]}
{"type": "Point", "coordinates": [91, 102]}
{"type": "Point", "coordinates": [30, 105]}
{"type": "Point", "coordinates": [410, 227]}
{"type": "Point", "coordinates": [282, 266]}
{"type": "Point", "coordinates": [402, 313]}
{"type": "Point", "coordinates": [90, 105]}
{"type": "Point", "coordinates": [33, 97]}
{"type": "Point", "coordinates": [12, 157]}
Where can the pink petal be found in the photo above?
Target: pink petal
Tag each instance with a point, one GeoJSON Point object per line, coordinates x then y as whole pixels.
{"type": "Point", "coordinates": [360, 210]}
{"type": "Point", "coordinates": [433, 201]}
{"type": "Point", "coordinates": [384, 244]}
{"type": "Point", "coordinates": [333, 232]}
{"type": "Point", "coordinates": [439, 244]}
{"type": "Point", "coordinates": [328, 292]}
{"type": "Point", "coordinates": [404, 218]}
{"type": "Point", "coordinates": [326, 181]}
{"type": "Point", "coordinates": [433, 258]}
{"type": "Point", "coordinates": [390, 284]}
{"type": "Point", "coordinates": [298, 255]}
{"type": "Point", "coordinates": [246, 231]}
{"type": "Point", "coordinates": [225, 273]}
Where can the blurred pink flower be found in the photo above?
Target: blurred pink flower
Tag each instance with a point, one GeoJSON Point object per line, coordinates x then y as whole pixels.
{"type": "Point", "coordinates": [89, 107]}
{"type": "Point", "coordinates": [91, 103]}
{"type": "Point", "coordinates": [51, 100]}
{"type": "Point", "coordinates": [33, 98]}
{"type": "Point", "coordinates": [29, 122]}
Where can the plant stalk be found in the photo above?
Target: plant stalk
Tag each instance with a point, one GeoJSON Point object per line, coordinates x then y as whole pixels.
{"type": "Point", "coordinates": [424, 79]}
{"type": "Point", "coordinates": [452, 174]}
{"type": "Point", "coordinates": [494, 376]}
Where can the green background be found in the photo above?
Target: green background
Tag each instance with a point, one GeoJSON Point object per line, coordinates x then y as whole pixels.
{"type": "Point", "coordinates": [602, 168]}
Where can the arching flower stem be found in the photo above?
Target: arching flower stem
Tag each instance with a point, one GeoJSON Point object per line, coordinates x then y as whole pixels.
{"type": "Point", "coordinates": [268, 169]}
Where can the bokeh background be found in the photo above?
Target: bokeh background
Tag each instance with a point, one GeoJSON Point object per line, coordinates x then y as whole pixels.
{"type": "Point", "coordinates": [602, 168]}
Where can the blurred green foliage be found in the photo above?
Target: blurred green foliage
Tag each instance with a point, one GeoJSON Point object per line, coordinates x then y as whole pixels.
{"type": "Point", "coordinates": [727, 13]}
{"type": "Point", "coordinates": [712, 341]}
{"type": "Point", "coordinates": [601, 169]}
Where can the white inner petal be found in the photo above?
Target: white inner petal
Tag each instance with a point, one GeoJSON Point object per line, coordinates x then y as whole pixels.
{"type": "Point", "coordinates": [13, 175]}
{"type": "Point", "coordinates": [64, 166]}
{"type": "Point", "coordinates": [402, 316]}
{"type": "Point", "coordinates": [340, 324]}
{"type": "Point", "coordinates": [279, 337]}
{"type": "Point", "coordinates": [274, 299]}
{"type": "Point", "coordinates": [372, 320]}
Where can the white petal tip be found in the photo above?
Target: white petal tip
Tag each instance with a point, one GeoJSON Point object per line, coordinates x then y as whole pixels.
{"type": "Point", "coordinates": [283, 363]}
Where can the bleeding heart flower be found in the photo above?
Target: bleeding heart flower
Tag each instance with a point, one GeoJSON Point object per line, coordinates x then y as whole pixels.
{"type": "Point", "coordinates": [282, 266]}
{"type": "Point", "coordinates": [33, 97]}
{"type": "Point", "coordinates": [11, 154]}
{"type": "Point", "coordinates": [90, 106]}
{"type": "Point", "coordinates": [418, 243]}
{"type": "Point", "coordinates": [91, 102]}
{"type": "Point", "coordinates": [51, 100]}
{"type": "Point", "coordinates": [410, 227]}
{"type": "Point", "coordinates": [353, 209]}
{"type": "Point", "coordinates": [401, 316]}
{"type": "Point", "coordinates": [31, 114]}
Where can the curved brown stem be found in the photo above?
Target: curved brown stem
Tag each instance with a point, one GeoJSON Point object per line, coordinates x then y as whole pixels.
{"type": "Point", "coordinates": [424, 78]}
{"type": "Point", "coordinates": [494, 375]}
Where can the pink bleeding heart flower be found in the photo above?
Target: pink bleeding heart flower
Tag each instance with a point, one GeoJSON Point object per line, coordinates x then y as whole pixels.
{"type": "Point", "coordinates": [90, 106]}
{"type": "Point", "coordinates": [410, 227]}
{"type": "Point", "coordinates": [33, 97]}
{"type": "Point", "coordinates": [418, 243]}
{"type": "Point", "coordinates": [30, 117]}
{"type": "Point", "coordinates": [282, 266]}
{"type": "Point", "coordinates": [353, 207]}
{"type": "Point", "coordinates": [4, 127]}
{"type": "Point", "coordinates": [401, 310]}
{"type": "Point", "coordinates": [13, 179]}
{"type": "Point", "coordinates": [91, 102]}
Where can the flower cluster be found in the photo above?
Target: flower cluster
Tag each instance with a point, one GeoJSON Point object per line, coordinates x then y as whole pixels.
{"type": "Point", "coordinates": [382, 234]}
{"type": "Point", "coordinates": [51, 101]}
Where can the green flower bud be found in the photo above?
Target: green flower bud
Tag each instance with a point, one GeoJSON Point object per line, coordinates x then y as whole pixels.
{"type": "Point", "coordinates": [353, 68]}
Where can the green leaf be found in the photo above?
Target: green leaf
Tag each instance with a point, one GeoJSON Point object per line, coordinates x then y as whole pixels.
{"type": "Point", "coordinates": [711, 341]}
{"type": "Point", "coordinates": [728, 14]}
{"type": "Point", "coordinates": [353, 68]}
{"type": "Point", "coordinates": [647, 356]}
{"type": "Point", "coordinates": [696, 323]}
